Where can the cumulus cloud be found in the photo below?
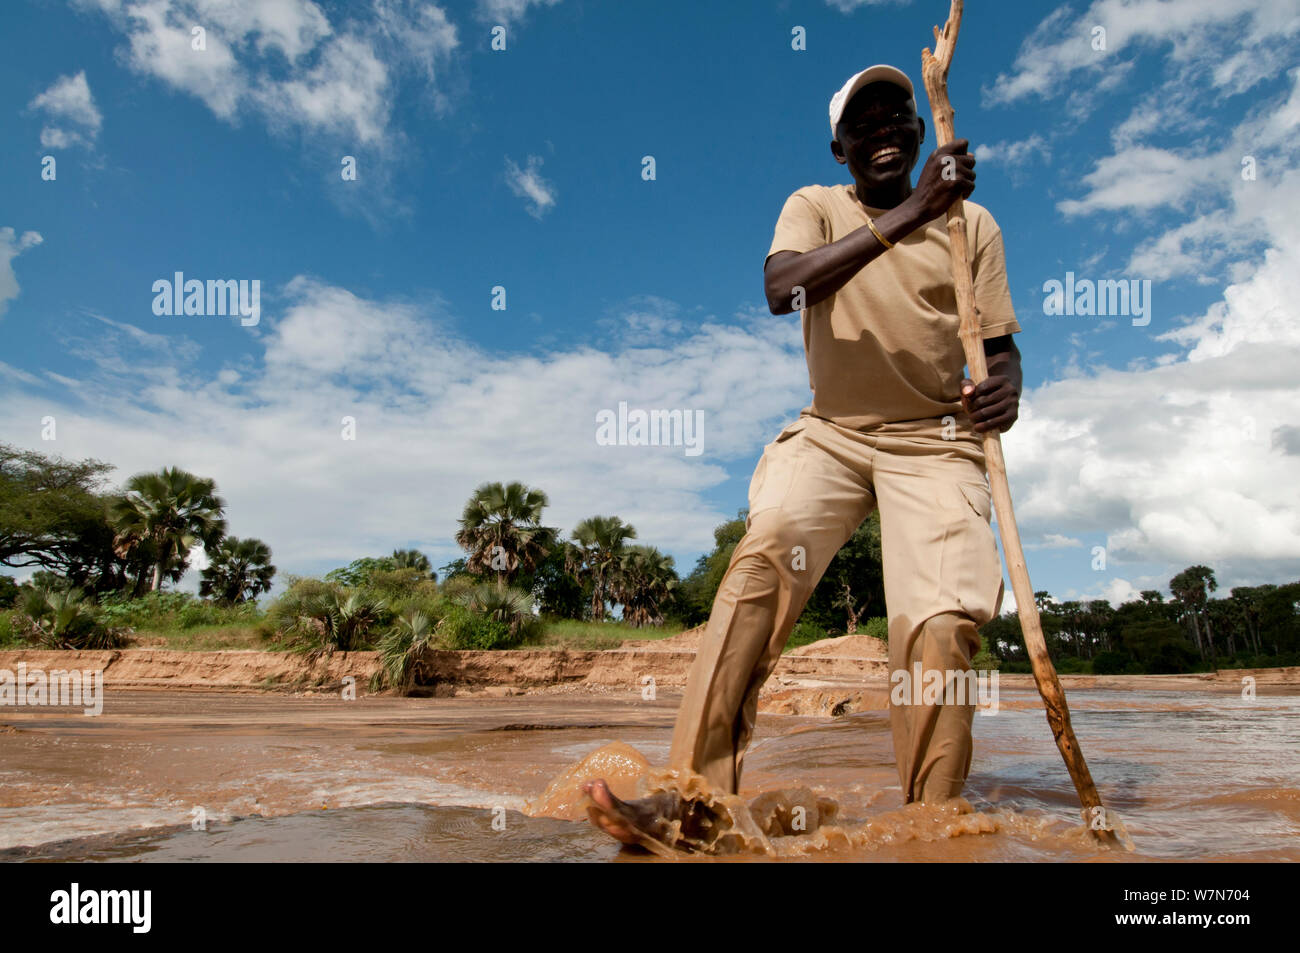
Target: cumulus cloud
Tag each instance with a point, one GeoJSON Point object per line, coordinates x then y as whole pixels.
{"type": "Point", "coordinates": [1185, 456]}
{"type": "Point", "coordinates": [1059, 54]}
{"type": "Point", "coordinates": [1012, 154]}
{"type": "Point", "coordinates": [72, 119]}
{"type": "Point", "coordinates": [10, 248]}
{"type": "Point", "coordinates": [1180, 463]}
{"type": "Point", "coordinates": [434, 416]}
{"type": "Point", "coordinates": [284, 61]}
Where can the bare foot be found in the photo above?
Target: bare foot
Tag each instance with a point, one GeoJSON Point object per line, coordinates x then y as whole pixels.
{"type": "Point", "coordinates": [632, 822]}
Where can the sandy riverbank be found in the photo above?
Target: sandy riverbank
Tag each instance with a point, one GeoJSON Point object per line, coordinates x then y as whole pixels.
{"type": "Point", "coordinates": [829, 678]}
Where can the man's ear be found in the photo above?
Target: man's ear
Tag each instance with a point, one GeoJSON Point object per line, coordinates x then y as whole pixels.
{"type": "Point", "coordinates": [837, 151]}
{"type": "Point", "coordinates": [922, 122]}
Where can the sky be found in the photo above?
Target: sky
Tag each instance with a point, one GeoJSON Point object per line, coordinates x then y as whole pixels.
{"type": "Point", "coordinates": [474, 226]}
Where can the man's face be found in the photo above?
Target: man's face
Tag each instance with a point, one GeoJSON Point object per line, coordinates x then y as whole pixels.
{"type": "Point", "coordinates": [879, 136]}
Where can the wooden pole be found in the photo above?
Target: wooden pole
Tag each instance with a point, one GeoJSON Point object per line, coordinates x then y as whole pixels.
{"type": "Point", "coordinates": [1105, 825]}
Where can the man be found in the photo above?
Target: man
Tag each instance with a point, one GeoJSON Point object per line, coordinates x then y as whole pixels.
{"type": "Point", "coordinates": [892, 424]}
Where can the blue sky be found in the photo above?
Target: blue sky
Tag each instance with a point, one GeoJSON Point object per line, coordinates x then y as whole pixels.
{"type": "Point", "coordinates": [1168, 444]}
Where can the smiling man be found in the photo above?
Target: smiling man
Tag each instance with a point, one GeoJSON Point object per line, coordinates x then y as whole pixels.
{"type": "Point", "coordinates": [893, 424]}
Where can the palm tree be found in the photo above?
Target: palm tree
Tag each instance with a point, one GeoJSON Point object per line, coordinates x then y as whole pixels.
{"type": "Point", "coordinates": [169, 511]}
{"type": "Point", "coordinates": [412, 559]}
{"type": "Point", "coordinates": [1190, 590]}
{"type": "Point", "coordinates": [240, 569]}
{"type": "Point", "coordinates": [502, 603]}
{"type": "Point", "coordinates": [645, 578]}
{"type": "Point", "coordinates": [501, 529]}
{"type": "Point", "coordinates": [331, 620]}
{"type": "Point", "coordinates": [403, 645]}
{"type": "Point", "coordinates": [65, 619]}
{"type": "Point", "coordinates": [600, 544]}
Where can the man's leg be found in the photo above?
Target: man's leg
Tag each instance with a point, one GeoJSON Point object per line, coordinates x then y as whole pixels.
{"type": "Point", "coordinates": [932, 743]}
{"type": "Point", "coordinates": [809, 493]}
{"type": "Point", "coordinates": [943, 579]}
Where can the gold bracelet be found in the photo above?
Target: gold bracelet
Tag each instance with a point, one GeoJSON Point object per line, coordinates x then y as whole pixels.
{"type": "Point", "coordinates": [875, 231]}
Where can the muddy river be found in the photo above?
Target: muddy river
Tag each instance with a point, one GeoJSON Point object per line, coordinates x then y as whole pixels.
{"type": "Point", "coordinates": [165, 776]}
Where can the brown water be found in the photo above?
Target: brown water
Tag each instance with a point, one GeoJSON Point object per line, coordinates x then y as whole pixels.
{"type": "Point", "coordinates": [1196, 775]}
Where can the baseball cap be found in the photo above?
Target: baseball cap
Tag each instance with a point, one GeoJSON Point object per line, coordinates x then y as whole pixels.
{"type": "Point", "coordinates": [880, 73]}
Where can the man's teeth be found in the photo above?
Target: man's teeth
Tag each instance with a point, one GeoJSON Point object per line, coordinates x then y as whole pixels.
{"type": "Point", "coordinates": [886, 151]}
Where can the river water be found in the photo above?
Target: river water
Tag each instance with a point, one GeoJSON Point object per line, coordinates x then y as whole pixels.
{"type": "Point", "coordinates": [165, 776]}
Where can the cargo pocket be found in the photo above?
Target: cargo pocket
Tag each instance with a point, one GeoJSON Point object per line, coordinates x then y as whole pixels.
{"type": "Point", "coordinates": [971, 566]}
{"type": "Point", "coordinates": [776, 470]}
{"type": "Point", "coordinates": [978, 498]}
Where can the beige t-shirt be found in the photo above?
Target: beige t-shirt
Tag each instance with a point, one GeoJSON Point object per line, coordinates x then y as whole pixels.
{"type": "Point", "coordinates": [884, 348]}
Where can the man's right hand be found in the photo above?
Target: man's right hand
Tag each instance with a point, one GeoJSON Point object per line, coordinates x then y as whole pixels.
{"type": "Point", "coordinates": [948, 175]}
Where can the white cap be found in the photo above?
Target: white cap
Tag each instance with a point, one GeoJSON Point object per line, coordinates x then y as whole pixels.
{"type": "Point", "coordinates": [880, 73]}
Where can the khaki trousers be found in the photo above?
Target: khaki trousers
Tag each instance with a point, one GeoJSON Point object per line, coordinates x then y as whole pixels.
{"type": "Point", "coordinates": [943, 578]}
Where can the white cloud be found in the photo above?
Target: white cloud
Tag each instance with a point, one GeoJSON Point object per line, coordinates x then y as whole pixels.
{"type": "Point", "coordinates": [285, 61]}
{"type": "Point", "coordinates": [72, 117]}
{"type": "Point", "coordinates": [1013, 154]}
{"type": "Point", "coordinates": [1142, 178]}
{"type": "Point", "coordinates": [1061, 47]}
{"type": "Point", "coordinates": [1186, 457]}
{"type": "Point", "coordinates": [848, 6]}
{"type": "Point", "coordinates": [435, 416]}
{"type": "Point", "coordinates": [1054, 541]}
{"type": "Point", "coordinates": [506, 12]}
{"type": "Point", "coordinates": [10, 248]}
{"type": "Point", "coordinates": [346, 93]}
{"type": "Point", "coordinates": [529, 185]}
{"type": "Point", "coordinates": [1118, 591]}
{"type": "Point", "coordinates": [1179, 463]}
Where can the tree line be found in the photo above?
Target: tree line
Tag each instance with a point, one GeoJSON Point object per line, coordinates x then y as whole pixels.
{"type": "Point", "coordinates": [92, 545]}
{"type": "Point", "coordinates": [1253, 626]}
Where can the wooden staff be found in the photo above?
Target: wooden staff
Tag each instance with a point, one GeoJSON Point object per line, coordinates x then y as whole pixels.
{"type": "Point", "coordinates": [1104, 824]}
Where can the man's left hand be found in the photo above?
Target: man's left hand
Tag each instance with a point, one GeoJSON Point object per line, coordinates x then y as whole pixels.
{"type": "Point", "coordinates": [993, 404]}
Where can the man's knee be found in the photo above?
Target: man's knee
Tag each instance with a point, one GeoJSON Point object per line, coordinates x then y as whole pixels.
{"type": "Point", "coordinates": [952, 638]}
{"type": "Point", "coordinates": [776, 542]}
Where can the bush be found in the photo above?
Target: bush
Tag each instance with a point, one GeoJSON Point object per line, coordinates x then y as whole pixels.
{"type": "Point", "coordinates": [283, 613]}
{"type": "Point", "coordinates": [402, 646]}
{"type": "Point", "coordinates": [984, 660]}
{"type": "Point", "coordinates": [170, 611]}
{"type": "Point", "coordinates": [465, 629]}
{"type": "Point", "coordinates": [1110, 663]}
{"type": "Point", "coordinates": [1070, 665]}
{"type": "Point", "coordinates": [390, 584]}
{"type": "Point", "coordinates": [804, 633]}
{"type": "Point", "coordinates": [432, 606]}
{"type": "Point", "coordinates": [877, 627]}
{"type": "Point", "coordinates": [334, 621]}
{"type": "Point", "coordinates": [512, 608]}
{"type": "Point", "coordinates": [62, 619]}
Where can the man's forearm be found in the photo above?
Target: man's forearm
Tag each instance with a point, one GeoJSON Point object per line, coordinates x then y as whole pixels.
{"type": "Point", "coordinates": [825, 270]}
{"type": "Point", "coordinates": [1003, 357]}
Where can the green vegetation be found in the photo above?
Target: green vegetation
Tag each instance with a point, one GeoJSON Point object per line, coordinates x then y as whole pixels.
{"type": "Point", "coordinates": [410, 635]}
{"type": "Point", "coordinates": [103, 560]}
{"type": "Point", "coordinates": [238, 570]}
{"type": "Point", "coordinates": [1254, 627]}
{"type": "Point", "coordinates": [62, 619]}
{"type": "Point", "coordinates": [589, 635]}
